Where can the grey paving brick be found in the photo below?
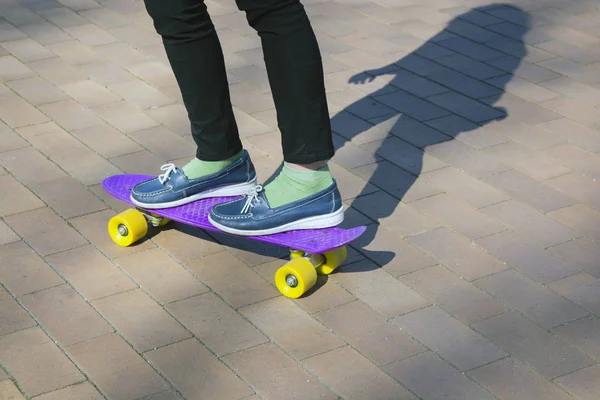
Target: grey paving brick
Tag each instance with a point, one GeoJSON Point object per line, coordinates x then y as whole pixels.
{"type": "Point", "coordinates": [581, 217]}
{"type": "Point", "coordinates": [575, 109]}
{"type": "Point", "coordinates": [547, 354]}
{"type": "Point", "coordinates": [538, 165]}
{"type": "Point", "coordinates": [525, 70]}
{"type": "Point", "coordinates": [526, 90]}
{"type": "Point", "coordinates": [528, 222]}
{"type": "Point", "coordinates": [573, 132]}
{"type": "Point", "coordinates": [576, 158]}
{"type": "Point", "coordinates": [575, 53]}
{"type": "Point", "coordinates": [572, 69]}
{"type": "Point", "coordinates": [432, 378]}
{"type": "Point", "coordinates": [470, 67]}
{"type": "Point", "coordinates": [534, 301]}
{"type": "Point", "coordinates": [583, 252]}
{"type": "Point", "coordinates": [583, 334]}
{"type": "Point", "coordinates": [517, 108]}
{"type": "Point", "coordinates": [529, 190]}
{"type": "Point", "coordinates": [457, 253]}
{"type": "Point", "coordinates": [470, 49]}
{"type": "Point", "coordinates": [512, 380]}
{"type": "Point", "coordinates": [585, 384]}
{"type": "Point", "coordinates": [581, 187]}
{"type": "Point", "coordinates": [466, 131]}
{"type": "Point", "coordinates": [520, 50]}
{"type": "Point", "coordinates": [419, 65]}
{"type": "Point", "coordinates": [454, 295]}
{"type": "Point", "coordinates": [465, 107]}
{"type": "Point", "coordinates": [404, 155]}
{"type": "Point", "coordinates": [475, 163]}
{"type": "Point", "coordinates": [412, 106]}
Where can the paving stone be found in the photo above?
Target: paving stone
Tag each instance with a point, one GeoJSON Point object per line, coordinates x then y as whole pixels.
{"type": "Point", "coordinates": [115, 368]}
{"type": "Point", "coordinates": [584, 383]}
{"type": "Point", "coordinates": [272, 373]}
{"type": "Point", "coordinates": [66, 316]}
{"type": "Point", "coordinates": [512, 380]}
{"type": "Point", "coordinates": [70, 115]}
{"type": "Point", "coordinates": [352, 376]}
{"type": "Point", "coordinates": [430, 377]}
{"type": "Point", "coordinates": [471, 49]}
{"type": "Point", "coordinates": [529, 190]}
{"type": "Point", "coordinates": [14, 317]}
{"type": "Point", "coordinates": [99, 279]}
{"type": "Point", "coordinates": [173, 116]}
{"type": "Point", "coordinates": [57, 71]}
{"type": "Point", "coordinates": [45, 232]}
{"type": "Point", "coordinates": [197, 373]}
{"type": "Point", "coordinates": [475, 163]}
{"type": "Point", "coordinates": [531, 224]}
{"type": "Point", "coordinates": [9, 391]}
{"type": "Point", "coordinates": [574, 133]}
{"type": "Point", "coordinates": [37, 91]}
{"type": "Point", "coordinates": [522, 133]}
{"type": "Point", "coordinates": [466, 131]}
{"type": "Point", "coordinates": [583, 252]}
{"type": "Point", "coordinates": [62, 17]}
{"type": "Point", "coordinates": [25, 272]}
{"type": "Point", "coordinates": [106, 140]}
{"type": "Point", "coordinates": [470, 190]}
{"type": "Point", "coordinates": [12, 69]}
{"type": "Point", "coordinates": [369, 333]}
{"type": "Point", "coordinates": [291, 327]}
{"type": "Point", "coordinates": [164, 143]}
{"type": "Point", "coordinates": [547, 354]}
{"type": "Point", "coordinates": [539, 166]}
{"type": "Point", "coordinates": [577, 158]}
{"type": "Point", "coordinates": [580, 217]}
{"type": "Point", "coordinates": [164, 395]}
{"type": "Point", "coordinates": [575, 53]}
{"type": "Point", "coordinates": [27, 50]}
{"type": "Point", "coordinates": [74, 52]}
{"type": "Point", "coordinates": [81, 391]}
{"type": "Point", "coordinates": [141, 94]}
{"type": "Point", "coordinates": [125, 117]}
{"type": "Point", "coordinates": [583, 334]}
{"type": "Point", "coordinates": [107, 73]}
{"type": "Point", "coordinates": [16, 112]}
{"type": "Point", "coordinates": [142, 162]}
{"type": "Point", "coordinates": [457, 253]}
{"type": "Point", "coordinates": [9, 140]}
{"type": "Point", "coordinates": [9, 32]}
{"type": "Point", "coordinates": [412, 106]}
{"type": "Point", "coordinates": [520, 109]}
{"type": "Point", "coordinates": [532, 261]}
{"type": "Point", "coordinates": [459, 345]}
{"type": "Point", "coordinates": [36, 363]}
{"type": "Point", "coordinates": [571, 69]}
{"type": "Point", "coordinates": [140, 320]}
{"type": "Point", "coordinates": [44, 32]}
{"type": "Point", "coordinates": [378, 289]}
{"type": "Point", "coordinates": [534, 301]}
{"type": "Point", "coordinates": [184, 242]}
{"type": "Point", "coordinates": [104, 17]}
{"type": "Point", "coordinates": [392, 253]}
{"type": "Point", "coordinates": [161, 276]}
{"type": "Point", "coordinates": [215, 324]}
{"type": "Point", "coordinates": [581, 288]}
{"type": "Point", "coordinates": [16, 198]}
{"type": "Point", "coordinates": [582, 187]}
{"type": "Point", "coordinates": [574, 89]}
{"type": "Point", "coordinates": [452, 294]}
{"type": "Point", "coordinates": [458, 216]}
{"type": "Point", "coordinates": [233, 281]}
{"type": "Point", "coordinates": [574, 109]}
{"type": "Point", "coordinates": [7, 235]}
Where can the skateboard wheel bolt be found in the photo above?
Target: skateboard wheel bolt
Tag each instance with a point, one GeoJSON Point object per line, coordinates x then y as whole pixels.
{"type": "Point", "coordinates": [291, 281]}
{"type": "Point", "coordinates": [123, 230]}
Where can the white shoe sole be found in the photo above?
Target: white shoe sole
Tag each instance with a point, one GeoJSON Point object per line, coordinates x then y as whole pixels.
{"type": "Point", "coordinates": [231, 190]}
{"type": "Point", "coordinates": [316, 222]}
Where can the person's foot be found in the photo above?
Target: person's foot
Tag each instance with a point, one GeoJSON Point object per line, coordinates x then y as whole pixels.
{"type": "Point", "coordinates": [197, 180]}
{"type": "Point", "coordinates": [294, 200]}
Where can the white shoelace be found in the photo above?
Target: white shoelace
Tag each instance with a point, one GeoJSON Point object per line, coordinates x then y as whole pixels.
{"type": "Point", "coordinates": [169, 169]}
{"type": "Point", "coordinates": [252, 198]}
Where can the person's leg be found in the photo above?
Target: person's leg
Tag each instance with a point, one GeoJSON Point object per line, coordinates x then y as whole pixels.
{"type": "Point", "coordinates": [303, 195]}
{"type": "Point", "coordinates": [295, 72]}
{"type": "Point", "coordinates": [195, 55]}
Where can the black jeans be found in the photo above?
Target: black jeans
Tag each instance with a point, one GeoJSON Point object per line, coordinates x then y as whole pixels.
{"type": "Point", "coordinates": [294, 68]}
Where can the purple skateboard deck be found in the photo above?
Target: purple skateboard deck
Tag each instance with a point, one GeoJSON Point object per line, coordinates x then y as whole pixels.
{"type": "Point", "coordinates": [313, 241]}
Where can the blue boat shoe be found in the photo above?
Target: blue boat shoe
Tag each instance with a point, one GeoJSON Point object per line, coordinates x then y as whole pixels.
{"type": "Point", "coordinates": [252, 214]}
{"type": "Point", "coordinates": [173, 188]}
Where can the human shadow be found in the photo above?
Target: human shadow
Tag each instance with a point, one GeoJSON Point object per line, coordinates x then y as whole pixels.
{"type": "Point", "coordinates": [440, 91]}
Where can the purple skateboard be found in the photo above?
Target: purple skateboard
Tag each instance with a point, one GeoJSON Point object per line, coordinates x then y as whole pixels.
{"type": "Point", "coordinates": [313, 241]}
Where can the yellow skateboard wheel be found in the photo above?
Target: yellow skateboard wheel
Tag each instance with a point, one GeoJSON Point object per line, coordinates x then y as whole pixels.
{"type": "Point", "coordinates": [295, 278]}
{"type": "Point", "coordinates": [333, 259]}
{"type": "Point", "coordinates": [127, 227]}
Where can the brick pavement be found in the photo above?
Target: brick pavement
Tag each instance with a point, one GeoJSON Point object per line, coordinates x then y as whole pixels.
{"type": "Point", "coordinates": [468, 135]}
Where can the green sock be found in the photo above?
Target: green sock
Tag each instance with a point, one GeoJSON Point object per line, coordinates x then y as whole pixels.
{"type": "Point", "coordinates": [292, 185]}
{"type": "Point", "coordinates": [198, 168]}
